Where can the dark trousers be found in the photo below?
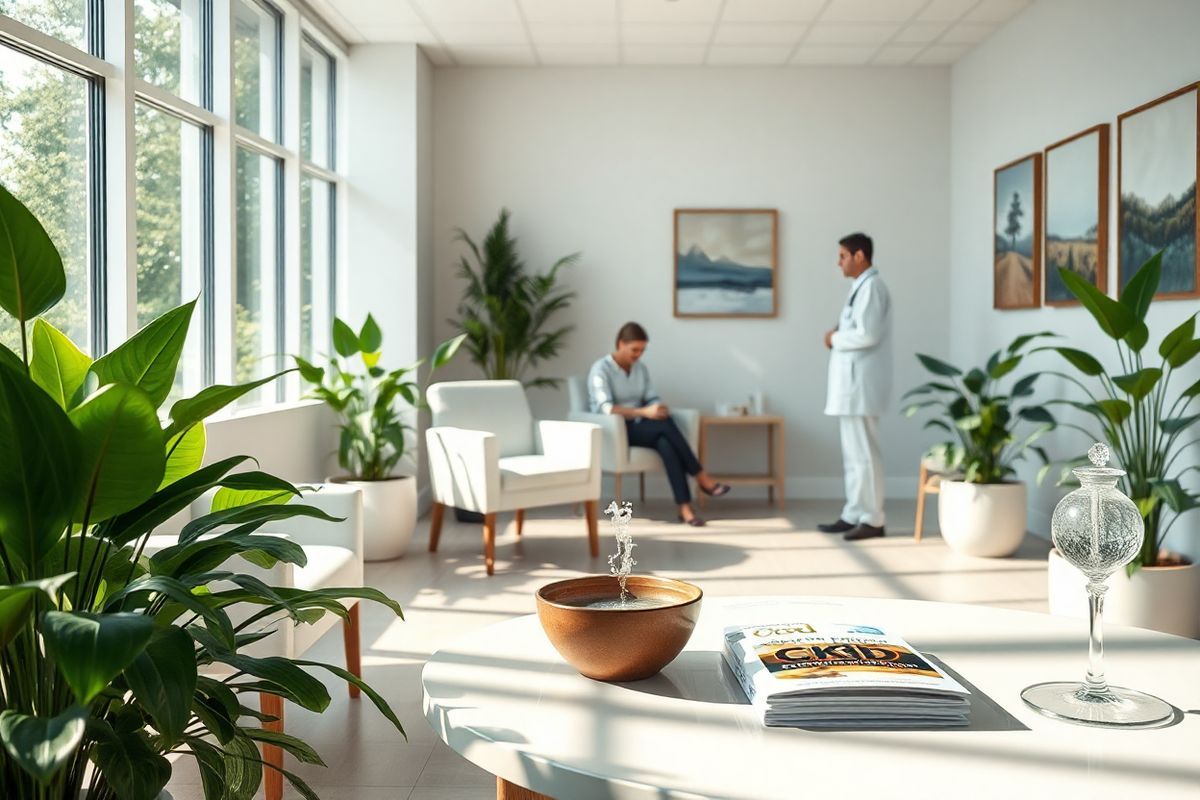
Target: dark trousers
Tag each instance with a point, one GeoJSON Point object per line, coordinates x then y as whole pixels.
{"type": "Point", "coordinates": [664, 436]}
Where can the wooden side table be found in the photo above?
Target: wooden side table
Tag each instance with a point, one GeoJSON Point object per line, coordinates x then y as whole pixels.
{"type": "Point", "coordinates": [774, 477]}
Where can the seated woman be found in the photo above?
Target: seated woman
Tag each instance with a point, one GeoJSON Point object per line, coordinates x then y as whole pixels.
{"type": "Point", "coordinates": [620, 384]}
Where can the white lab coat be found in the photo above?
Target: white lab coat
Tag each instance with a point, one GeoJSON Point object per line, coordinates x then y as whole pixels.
{"type": "Point", "coordinates": [860, 363]}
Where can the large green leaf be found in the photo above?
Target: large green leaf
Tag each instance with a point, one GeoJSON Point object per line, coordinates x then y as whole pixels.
{"type": "Point", "coordinates": [242, 515]}
{"type": "Point", "coordinates": [937, 366]}
{"type": "Point", "coordinates": [1036, 414]}
{"type": "Point", "coordinates": [351, 678]}
{"type": "Point", "coordinates": [57, 365]}
{"type": "Point", "coordinates": [446, 350]}
{"type": "Point", "coordinates": [1025, 339]}
{"type": "Point", "coordinates": [209, 553]}
{"type": "Point", "coordinates": [1182, 333]}
{"type": "Point", "coordinates": [1024, 387]}
{"type": "Point", "coordinates": [17, 603]}
{"type": "Point", "coordinates": [130, 765]}
{"type": "Point", "coordinates": [1116, 410]}
{"type": "Point", "coordinates": [303, 752]}
{"type": "Point", "coordinates": [1176, 424]}
{"type": "Point", "coordinates": [135, 596]}
{"type": "Point", "coordinates": [1137, 337]}
{"type": "Point", "coordinates": [1192, 390]}
{"type": "Point", "coordinates": [1174, 495]}
{"type": "Point", "coordinates": [260, 489]}
{"type": "Point", "coordinates": [115, 563]}
{"type": "Point", "coordinates": [92, 649]}
{"type": "Point", "coordinates": [1139, 292]}
{"type": "Point", "coordinates": [1183, 353]}
{"type": "Point", "coordinates": [122, 450]}
{"type": "Point", "coordinates": [1004, 367]}
{"type": "Point", "coordinates": [975, 381]}
{"type": "Point", "coordinates": [1114, 318]}
{"type": "Point", "coordinates": [163, 679]}
{"type": "Point", "coordinates": [150, 357]}
{"type": "Point", "coordinates": [1139, 384]}
{"type": "Point", "coordinates": [41, 480]}
{"type": "Point", "coordinates": [42, 746]}
{"type": "Point", "coordinates": [185, 453]}
{"type": "Point", "coordinates": [370, 338]}
{"type": "Point", "coordinates": [294, 683]}
{"type": "Point", "coordinates": [1084, 362]}
{"type": "Point", "coordinates": [345, 342]}
{"type": "Point", "coordinates": [210, 400]}
{"type": "Point", "coordinates": [32, 279]}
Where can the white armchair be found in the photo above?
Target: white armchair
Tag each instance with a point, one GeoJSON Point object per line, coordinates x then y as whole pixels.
{"type": "Point", "coordinates": [488, 454]}
{"type": "Point", "coordinates": [617, 456]}
{"type": "Point", "coordinates": [335, 559]}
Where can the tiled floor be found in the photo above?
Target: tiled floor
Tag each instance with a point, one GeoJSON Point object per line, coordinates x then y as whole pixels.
{"type": "Point", "coordinates": [747, 548]}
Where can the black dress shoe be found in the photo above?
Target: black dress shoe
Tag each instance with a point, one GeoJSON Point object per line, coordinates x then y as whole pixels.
{"type": "Point", "coordinates": [841, 526]}
{"type": "Point", "coordinates": [863, 531]}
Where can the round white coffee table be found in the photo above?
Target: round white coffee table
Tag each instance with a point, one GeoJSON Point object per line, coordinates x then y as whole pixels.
{"type": "Point", "coordinates": [504, 699]}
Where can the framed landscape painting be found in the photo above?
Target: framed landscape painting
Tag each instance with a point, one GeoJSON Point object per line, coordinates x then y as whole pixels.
{"type": "Point", "coordinates": [726, 262]}
{"type": "Point", "coordinates": [1017, 234]}
{"type": "Point", "coordinates": [1076, 213]}
{"type": "Point", "coordinates": [1156, 188]}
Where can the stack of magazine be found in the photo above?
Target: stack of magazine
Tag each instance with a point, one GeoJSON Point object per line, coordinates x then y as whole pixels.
{"type": "Point", "coordinates": [833, 675]}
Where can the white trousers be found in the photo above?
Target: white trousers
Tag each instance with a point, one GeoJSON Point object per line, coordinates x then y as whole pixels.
{"type": "Point", "coordinates": [862, 464]}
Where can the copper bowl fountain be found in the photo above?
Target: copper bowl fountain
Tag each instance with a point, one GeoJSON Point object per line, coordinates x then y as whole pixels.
{"type": "Point", "coordinates": [614, 643]}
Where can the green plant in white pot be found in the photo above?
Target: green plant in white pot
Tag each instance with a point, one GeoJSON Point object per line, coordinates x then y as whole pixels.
{"type": "Point", "coordinates": [981, 508]}
{"type": "Point", "coordinates": [371, 404]}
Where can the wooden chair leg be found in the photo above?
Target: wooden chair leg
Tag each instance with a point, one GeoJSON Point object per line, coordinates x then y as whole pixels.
{"type": "Point", "coordinates": [435, 525]}
{"type": "Point", "coordinates": [592, 509]}
{"type": "Point", "coordinates": [642, 486]}
{"type": "Point", "coordinates": [920, 504]}
{"type": "Point", "coordinates": [352, 638]}
{"type": "Point", "coordinates": [489, 543]}
{"type": "Point", "coordinates": [520, 521]}
{"type": "Point", "coordinates": [510, 791]}
{"type": "Point", "coordinates": [272, 755]}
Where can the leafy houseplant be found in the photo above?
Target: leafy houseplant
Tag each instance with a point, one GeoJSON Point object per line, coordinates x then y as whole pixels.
{"type": "Point", "coordinates": [506, 311]}
{"type": "Point", "coordinates": [373, 433]}
{"type": "Point", "coordinates": [1136, 412]}
{"type": "Point", "coordinates": [982, 511]}
{"type": "Point", "coordinates": [101, 646]}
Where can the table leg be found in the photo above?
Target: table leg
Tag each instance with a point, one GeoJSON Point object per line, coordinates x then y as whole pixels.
{"type": "Point", "coordinates": [771, 467]}
{"type": "Point", "coordinates": [510, 791]}
{"type": "Point", "coordinates": [702, 455]}
{"type": "Point", "coordinates": [780, 465]}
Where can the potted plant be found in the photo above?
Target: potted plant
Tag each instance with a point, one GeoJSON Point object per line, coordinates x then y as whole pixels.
{"type": "Point", "coordinates": [1145, 419]}
{"type": "Point", "coordinates": [374, 434]}
{"type": "Point", "coordinates": [981, 508]}
{"type": "Point", "coordinates": [102, 647]}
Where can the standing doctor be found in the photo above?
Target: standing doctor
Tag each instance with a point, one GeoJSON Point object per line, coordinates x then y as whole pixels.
{"type": "Point", "coordinates": [860, 381]}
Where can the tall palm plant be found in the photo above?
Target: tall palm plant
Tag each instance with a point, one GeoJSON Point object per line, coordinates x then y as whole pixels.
{"type": "Point", "coordinates": [506, 311]}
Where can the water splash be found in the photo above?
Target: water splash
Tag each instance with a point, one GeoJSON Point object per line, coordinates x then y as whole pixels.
{"type": "Point", "coordinates": [621, 563]}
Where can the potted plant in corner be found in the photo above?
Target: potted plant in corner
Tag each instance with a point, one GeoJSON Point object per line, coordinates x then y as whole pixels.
{"type": "Point", "coordinates": [373, 432]}
{"type": "Point", "coordinates": [105, 652]}
{"type": "Point", "coordinates": [1145, 422]}
{"type": "Point", "coordinates": [981, 508]}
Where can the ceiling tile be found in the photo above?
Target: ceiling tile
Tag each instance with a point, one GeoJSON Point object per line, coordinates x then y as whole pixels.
{"type": "Point", "coordinates": [921, 33]}
{"type": "Point", "coordinates": [668, 54]}
{"type": "Point", "coordinates": [366, 12]}
{"type": "Point", "coordinates": [967, 33]}
{"type": "Point", "coordinates": [897, 54]}
{"type": "Point", "coordinates": [400, 33]}
{"type": "Point", "coordinates": [812, 55]}
{"type": "Point", "coordinates": [871, 10]}
{"type": "Point", "coordinates": [743, 55]}
{"type": "Point", "coordinates": [573, 11]}
{"type": "Point", "coordinates": [846, 33]}
{"type": "Point", "coordinates": [746, 33]}
{"type": "Point", "coordinates": [579, 55]}
{"type": "Point", "coordinates": [664, 11]}
{"type": "Point", "coordinates": [945, 10]}
{"type": "Point", "coordinates": [772, 10]}
{"type": "Point", "coordinates": [493, 55]}
{"type": "Point", "coordinates": [996, 10]}
{"type": "Point", "coordinates": [942, 54]}
{"type": "Point", "coordinates": [565, 33]}
{"type": "Point", "coordinates": [474, 33]}
{"type": "Point", "coordinates": [466, 11]}
{"type": "Point", "coordinates": [660, 33]}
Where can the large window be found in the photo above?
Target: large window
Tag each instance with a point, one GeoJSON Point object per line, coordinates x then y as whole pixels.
{"type": "Point", "coordinates": [226, 196]}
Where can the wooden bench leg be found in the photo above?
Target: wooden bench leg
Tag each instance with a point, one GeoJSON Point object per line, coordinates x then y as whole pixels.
{"type": "Point", "coordinates": [920, 504]}
{"type": "Point", "coordinates": [353, 640]}
{"type": "Point", "coordinates": [489, 543]}
{"type": "Point", "coordinates": [272, 755]}
{"type": "Point", "coordinates": [520, 521]}
{"type": "Point", "coordinates": [510, 791]}
{"type": "Point", "coordinates": [435, 525]}
{"type": "Point", "coordinates": [591, 510]}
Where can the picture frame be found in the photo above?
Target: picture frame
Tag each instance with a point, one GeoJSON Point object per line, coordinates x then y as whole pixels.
{"type": "Point", "coordinates": [1158, 167]}
{"type": "Point", "coordinates": [1075, 229]}
{"type": "Point", "coordinates": [1017, 234]}
{"type": "Point", "coordinates": [726, 263]}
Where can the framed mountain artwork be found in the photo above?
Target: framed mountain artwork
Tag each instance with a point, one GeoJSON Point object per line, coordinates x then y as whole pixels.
{"type": "Point", "coordinates": [726, 262]}
{"type": "Point", "coordinates": [1017, 234]}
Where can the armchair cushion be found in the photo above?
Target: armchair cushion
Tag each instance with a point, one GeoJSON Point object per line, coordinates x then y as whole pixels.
{"type": "Point", "coordinates": [327, 566]}
{"type": "Point", "coordinates": [521, 473]}
{"type": "Point", "coordinates": [498, 407]}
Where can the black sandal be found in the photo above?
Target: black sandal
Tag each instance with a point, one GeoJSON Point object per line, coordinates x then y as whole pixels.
{"type": "Point", "coordinates": [695, 522]}
{"type": "Point", "coordinates": [718, 490]}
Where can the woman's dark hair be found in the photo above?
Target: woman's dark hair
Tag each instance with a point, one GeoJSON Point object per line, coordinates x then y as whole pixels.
{"type": "Point", "coordinates": [632, 332]}
{"type": "Point", "coordinates": [859, 241]}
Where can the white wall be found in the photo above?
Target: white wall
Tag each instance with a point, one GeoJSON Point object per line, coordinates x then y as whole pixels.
{"type": "Point", "coordinates": [1059, 67]}
{"type": "Point", "coordinates": [595, 160]}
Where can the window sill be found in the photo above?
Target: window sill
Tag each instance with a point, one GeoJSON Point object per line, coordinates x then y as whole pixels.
{"type": "Point", "coordinates": [258, 411]}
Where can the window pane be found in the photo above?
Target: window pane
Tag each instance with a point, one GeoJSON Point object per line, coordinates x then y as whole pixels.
{"type": "Point", "coordinates": [257, 261]}
{"type": "Point", "coordinates": [44, 163]}
{"type": "Point", "coordinates": [316, 80]}
{"type": "Point", "coordinates": [65, 20]}
{"type": "Point", "coordinates": [166, 45]}
{"type": "Point", "coordinates": [316, 259]}
{"type": "Point", "coordinates": [170, 229]}
{"type": "Point", "coordinates": [256, 68]}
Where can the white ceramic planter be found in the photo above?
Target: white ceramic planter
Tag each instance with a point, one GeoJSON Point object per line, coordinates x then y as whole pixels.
{"type": "Point", "coordinates": [982, 519]}
{"type": "Point", "coordinates": [389, 515]}
{"type": "Point", "coordinates": [1164, 599]}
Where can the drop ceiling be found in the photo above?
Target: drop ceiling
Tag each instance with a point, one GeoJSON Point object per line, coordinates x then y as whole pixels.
{"type": "Point", "coordinates": [675, 32]}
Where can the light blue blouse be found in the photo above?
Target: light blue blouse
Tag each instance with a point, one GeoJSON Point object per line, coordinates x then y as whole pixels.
{"type": "Point", "coordinates": [609, 385]}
